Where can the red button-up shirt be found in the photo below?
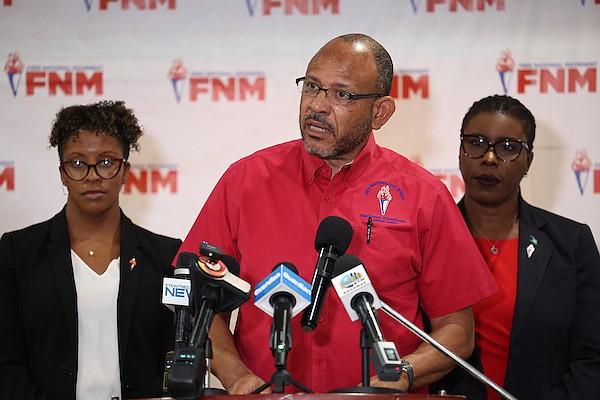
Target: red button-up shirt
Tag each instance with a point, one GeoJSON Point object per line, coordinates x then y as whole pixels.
{"type": "Point", "coordinates": [266, 209]}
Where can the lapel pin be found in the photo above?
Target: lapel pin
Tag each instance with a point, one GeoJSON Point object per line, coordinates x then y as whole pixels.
{"type": "Point", "coordinates": [533, 240]}
{"type": "Point", "coordinates": [132, 264]}
{"type": "Point", "coordinates": [530, 250]}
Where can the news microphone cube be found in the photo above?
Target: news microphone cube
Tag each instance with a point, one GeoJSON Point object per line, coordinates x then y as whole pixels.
{"type": "Point", "coordinates": [352, 282]}
{"type": "Point", "coordinates": [176, 292]}
{"type": "Point", "coordinates": [283, 280]}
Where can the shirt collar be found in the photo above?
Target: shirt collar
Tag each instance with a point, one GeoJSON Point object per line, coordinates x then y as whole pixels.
{"type": "Point", "coordinates": [311, 163]}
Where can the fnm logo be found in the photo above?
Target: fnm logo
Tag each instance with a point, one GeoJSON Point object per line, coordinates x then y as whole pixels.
{"type": "Point", "coordinates": [293, 7]}
{"type": "Point", "coordinates": [152, 179]}
{"type": "Point", "coordinates": [583, 168]}
{"type": "Point", "coordinates": [215, 86]}
{"type": "Point", "coordinates": [559, 77]}
{"type": "Point", "coordinates": [104, 5]}
{"type": "Point", "coordinates": [432, 6]}
{"type": "Point", "coordinates": [7, 175]}
{"type": "Point", "coordinates": [410, 83]}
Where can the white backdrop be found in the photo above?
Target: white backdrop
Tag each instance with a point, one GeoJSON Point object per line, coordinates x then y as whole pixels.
{"type": "Point", "coordinates": [213, 80]}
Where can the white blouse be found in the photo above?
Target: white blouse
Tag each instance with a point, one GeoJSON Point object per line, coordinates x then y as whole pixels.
{"type": "Point", "coordinates": [98, 370]}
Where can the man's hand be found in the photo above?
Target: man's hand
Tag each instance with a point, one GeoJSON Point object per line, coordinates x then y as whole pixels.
{"type": "Point", "coordinates": [247, 384]}
{"type": "Point", "coordinates": [401, 384]}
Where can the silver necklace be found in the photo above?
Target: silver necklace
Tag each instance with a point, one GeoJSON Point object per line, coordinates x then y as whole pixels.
{"type": "Point", "coordinates": [493, 247]}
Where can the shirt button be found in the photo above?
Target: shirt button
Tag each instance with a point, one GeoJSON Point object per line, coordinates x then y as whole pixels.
{"type": "Point", "coordinates": [320, 319]}
{"type": "Point", "coordinates": [328, 199]}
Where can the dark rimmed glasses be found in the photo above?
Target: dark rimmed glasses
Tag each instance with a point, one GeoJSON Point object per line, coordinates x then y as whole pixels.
{"type": "Point", "coordinates": [107, 168]}
{"type": "Point", "coordinates": [506, 149]}
{"type": "Point", "coordinates": [336, 96]}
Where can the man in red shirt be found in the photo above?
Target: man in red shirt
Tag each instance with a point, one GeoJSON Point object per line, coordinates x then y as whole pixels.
{"type": "Point", "coordinates": [267, 207]}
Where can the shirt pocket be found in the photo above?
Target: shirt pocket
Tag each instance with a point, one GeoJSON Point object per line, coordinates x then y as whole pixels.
{"type": "Point", "coordinates": [389, 257]}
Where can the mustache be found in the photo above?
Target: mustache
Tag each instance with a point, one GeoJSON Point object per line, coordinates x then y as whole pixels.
{"type": "Point", "coordinates": [318, 118]}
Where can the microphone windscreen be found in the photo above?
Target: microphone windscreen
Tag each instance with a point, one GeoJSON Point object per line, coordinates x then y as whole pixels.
{"type": "Point", "coordinates": [186, 258]}
{"type": "Point", "coordinates": [334, 231]}
{"type": "Point", "coordinates": [345, 263]}
{"type": "Point", "coordinates": [231, 263]}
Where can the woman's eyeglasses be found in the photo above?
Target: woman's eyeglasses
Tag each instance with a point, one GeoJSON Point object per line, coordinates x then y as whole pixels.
{"type": "Point", "coordinates": [507, 150]}
{"type": "Point", "coordinates": [106, 168]}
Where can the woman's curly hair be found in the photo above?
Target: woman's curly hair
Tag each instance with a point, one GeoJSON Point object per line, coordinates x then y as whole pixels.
{"type": "Point", "coordinates": [108, 117]}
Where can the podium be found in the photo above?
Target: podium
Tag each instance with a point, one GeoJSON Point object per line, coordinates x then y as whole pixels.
{"type": "Point", "coordinates": [323, 396]}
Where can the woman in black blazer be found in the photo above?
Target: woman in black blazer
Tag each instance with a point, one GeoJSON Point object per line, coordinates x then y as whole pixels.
{"type": "Point", "coordinates": [539, 337]}
{"type": "Point", "coordinates": [80, 294]}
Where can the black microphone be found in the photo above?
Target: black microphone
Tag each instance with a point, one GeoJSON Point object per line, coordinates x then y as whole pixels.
{"type": "Point", "coordinates": [216, 289]}
{"type": "Point", "coordinates": [360, 300]}
{"type": "Point", "coordinates": [333, 238]}
{"type": "Point", "coordinates": [185, 261]}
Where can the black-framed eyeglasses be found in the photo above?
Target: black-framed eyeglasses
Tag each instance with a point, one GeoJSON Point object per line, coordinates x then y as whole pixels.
{"type": "Point", "coordinates": [506, 149]}
{"type": "Point", "coordinates": [336, 96]}
{"type": "Point", "coordinates": [107, 168]}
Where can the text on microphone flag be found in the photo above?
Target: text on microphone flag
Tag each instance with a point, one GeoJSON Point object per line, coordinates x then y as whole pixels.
{"type": "Point", "coordinates": [282, 278]}
{"type": "Point", "coordinates": [176, 291]}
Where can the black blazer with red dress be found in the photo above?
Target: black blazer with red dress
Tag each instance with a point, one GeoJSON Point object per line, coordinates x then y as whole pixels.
{"type": "Point", "coordinates": [38, 312]}
{"type": "Point", "coordinates": [554, 348]}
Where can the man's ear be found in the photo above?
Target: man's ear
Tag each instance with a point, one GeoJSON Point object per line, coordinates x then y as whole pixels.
{"type": "Point", "coordinates": [383, 108]}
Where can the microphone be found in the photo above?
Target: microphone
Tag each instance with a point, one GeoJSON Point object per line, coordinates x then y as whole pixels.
{"type": "Point", "coordinates": [360, 300]}
{"type": "Point", "coordinates": [333, 238]}
{"type": "Point", "coordinates": [282, 295]}
{"type": "Point", "coordinates": [216, 289]}
{"type": "Point", "coordinates": [176, 295]}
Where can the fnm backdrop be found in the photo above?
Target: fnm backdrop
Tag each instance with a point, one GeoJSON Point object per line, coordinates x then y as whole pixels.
{"type": "Point", "coordinates": [213, 80]}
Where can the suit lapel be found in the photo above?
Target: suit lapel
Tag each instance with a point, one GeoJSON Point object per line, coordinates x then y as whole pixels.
{"type": "Point", "coordinates": [535, 249]}
{"type": "Point", "coordinates": [130, 266]}
{"type": "Point", "coordinates": [60, 259]}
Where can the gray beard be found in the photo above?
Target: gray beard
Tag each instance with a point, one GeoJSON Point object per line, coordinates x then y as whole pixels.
{"type": "Point", "coordinates": [346, 145]}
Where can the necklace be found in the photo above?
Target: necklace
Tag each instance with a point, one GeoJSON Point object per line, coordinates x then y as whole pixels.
{"type": "Point", "coordinates": [493, 248]}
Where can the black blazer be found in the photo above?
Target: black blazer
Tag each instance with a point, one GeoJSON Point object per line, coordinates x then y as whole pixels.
{"type": "Point", "coordinates": [555, 337]}
{"type": "Point", "coordinates": [38, 312]}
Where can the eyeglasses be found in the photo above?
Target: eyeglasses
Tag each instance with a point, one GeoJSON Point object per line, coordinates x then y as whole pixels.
{"type": "Point", "coordinates": [338, 96]}
{"type": "Point", "coordinates": [507, 150]}
{"type": "Point", "coordinates": [106, 168]}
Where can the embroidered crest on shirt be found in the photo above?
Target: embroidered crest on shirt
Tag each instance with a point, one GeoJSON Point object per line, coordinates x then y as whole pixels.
{"type": "Point", "coordinates": [381, 192]}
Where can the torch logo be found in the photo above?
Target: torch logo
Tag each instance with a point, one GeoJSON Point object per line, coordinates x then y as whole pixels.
{"type": "Point", "coordinates": [581, 167]}
{"type": "Point", "coordinates": [177, 74]}
{"type": "Point", "coordinates": [14, 69]}
{"type": "Point", "coordinates": [505, 67]}
{"type": "Point", "coordinates": [384, 197]}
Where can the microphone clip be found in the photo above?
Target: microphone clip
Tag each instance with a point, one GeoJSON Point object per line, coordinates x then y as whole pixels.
{"type": "Point", "coordinates": [386, 361]}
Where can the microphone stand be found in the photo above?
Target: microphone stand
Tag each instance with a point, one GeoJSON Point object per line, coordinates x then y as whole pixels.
{"type": "Point", "coordinates": [461, 363]}
{"type": "Point", "coordinates": [189, 374]}
{"type": "Point", "coordinates": [281, 343]}
{"type": "Point", "coordinates": [366, 345]}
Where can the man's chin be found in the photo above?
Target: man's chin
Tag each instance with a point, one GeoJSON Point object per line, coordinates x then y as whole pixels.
{"type": "Point", "coordinates": [317, 150]}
